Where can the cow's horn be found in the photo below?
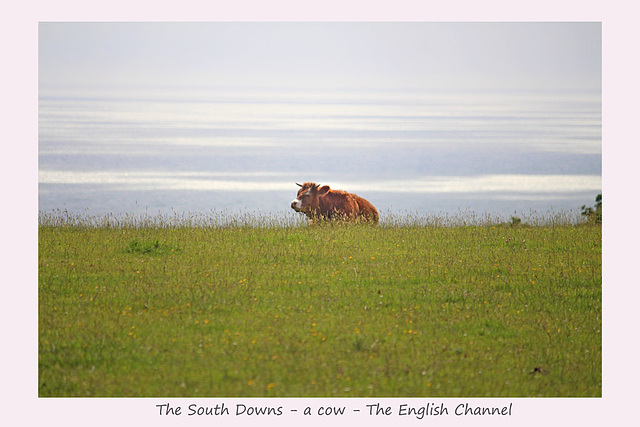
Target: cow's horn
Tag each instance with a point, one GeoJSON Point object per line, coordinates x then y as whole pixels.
{"type": "Point", "coordinates": [299, 185]}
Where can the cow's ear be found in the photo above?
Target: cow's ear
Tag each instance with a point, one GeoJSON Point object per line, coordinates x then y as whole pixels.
{"type": "Point", "coordinates": [323, 190]}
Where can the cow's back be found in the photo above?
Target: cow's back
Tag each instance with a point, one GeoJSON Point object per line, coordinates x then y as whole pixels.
{"type": "Point", "coordinates": [366, 209]}
{"type": "Point", "coordinates": [338, 203]}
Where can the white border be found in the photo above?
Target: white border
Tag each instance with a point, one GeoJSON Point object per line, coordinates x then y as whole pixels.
{"type": "Point", "coordinates": [21, 406]}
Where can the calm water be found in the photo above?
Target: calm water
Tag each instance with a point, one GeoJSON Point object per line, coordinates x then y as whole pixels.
{"type": "Point", "coordinates": [128, 153]}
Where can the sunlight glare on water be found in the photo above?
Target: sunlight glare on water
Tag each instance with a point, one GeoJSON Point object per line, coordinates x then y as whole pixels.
{"type": "Point", "coordinates": [232, 150]}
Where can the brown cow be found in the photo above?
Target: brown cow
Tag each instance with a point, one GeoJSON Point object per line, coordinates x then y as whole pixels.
{"type": "Point", "coordinates": [319, 203]}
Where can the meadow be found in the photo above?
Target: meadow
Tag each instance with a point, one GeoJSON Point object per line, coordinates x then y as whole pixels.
{"type": "Point", "coordinates": [267, 308]}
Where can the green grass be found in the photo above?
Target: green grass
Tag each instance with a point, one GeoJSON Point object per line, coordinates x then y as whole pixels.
{"type": "Point", "coordinates": [167, 309]}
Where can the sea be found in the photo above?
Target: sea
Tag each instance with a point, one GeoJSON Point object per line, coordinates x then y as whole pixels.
{"type": "Point", "coordinates": [202, 150]}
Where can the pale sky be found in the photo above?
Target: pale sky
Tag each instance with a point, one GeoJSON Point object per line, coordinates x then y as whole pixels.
{"type": "Point", "coordinates": [389, 56]}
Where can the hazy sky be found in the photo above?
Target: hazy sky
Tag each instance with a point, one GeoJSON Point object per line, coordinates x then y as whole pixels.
{"type": "Point", "coordinates": [478, 56]}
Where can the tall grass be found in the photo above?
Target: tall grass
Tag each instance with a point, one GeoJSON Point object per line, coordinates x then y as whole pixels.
{"type": "Point", "coordinates": [288, 219]}
{"type": "Point", "coordinates": [224, 305]}
{"type": "Point", "coordinates": [212, 219]}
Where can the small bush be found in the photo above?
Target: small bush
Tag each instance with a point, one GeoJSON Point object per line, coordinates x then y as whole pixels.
{"type": "Point", "coordinates": [594, 214]}
{"type": "Point", "coordinates": [137, 247]}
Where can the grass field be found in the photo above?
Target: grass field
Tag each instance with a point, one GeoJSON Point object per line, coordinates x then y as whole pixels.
{"type": "Point", "coordinates": [162, 309]}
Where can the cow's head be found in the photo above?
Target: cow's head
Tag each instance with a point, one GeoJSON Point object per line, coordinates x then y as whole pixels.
{"type": "Point", "coordinates": [307, 198]}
